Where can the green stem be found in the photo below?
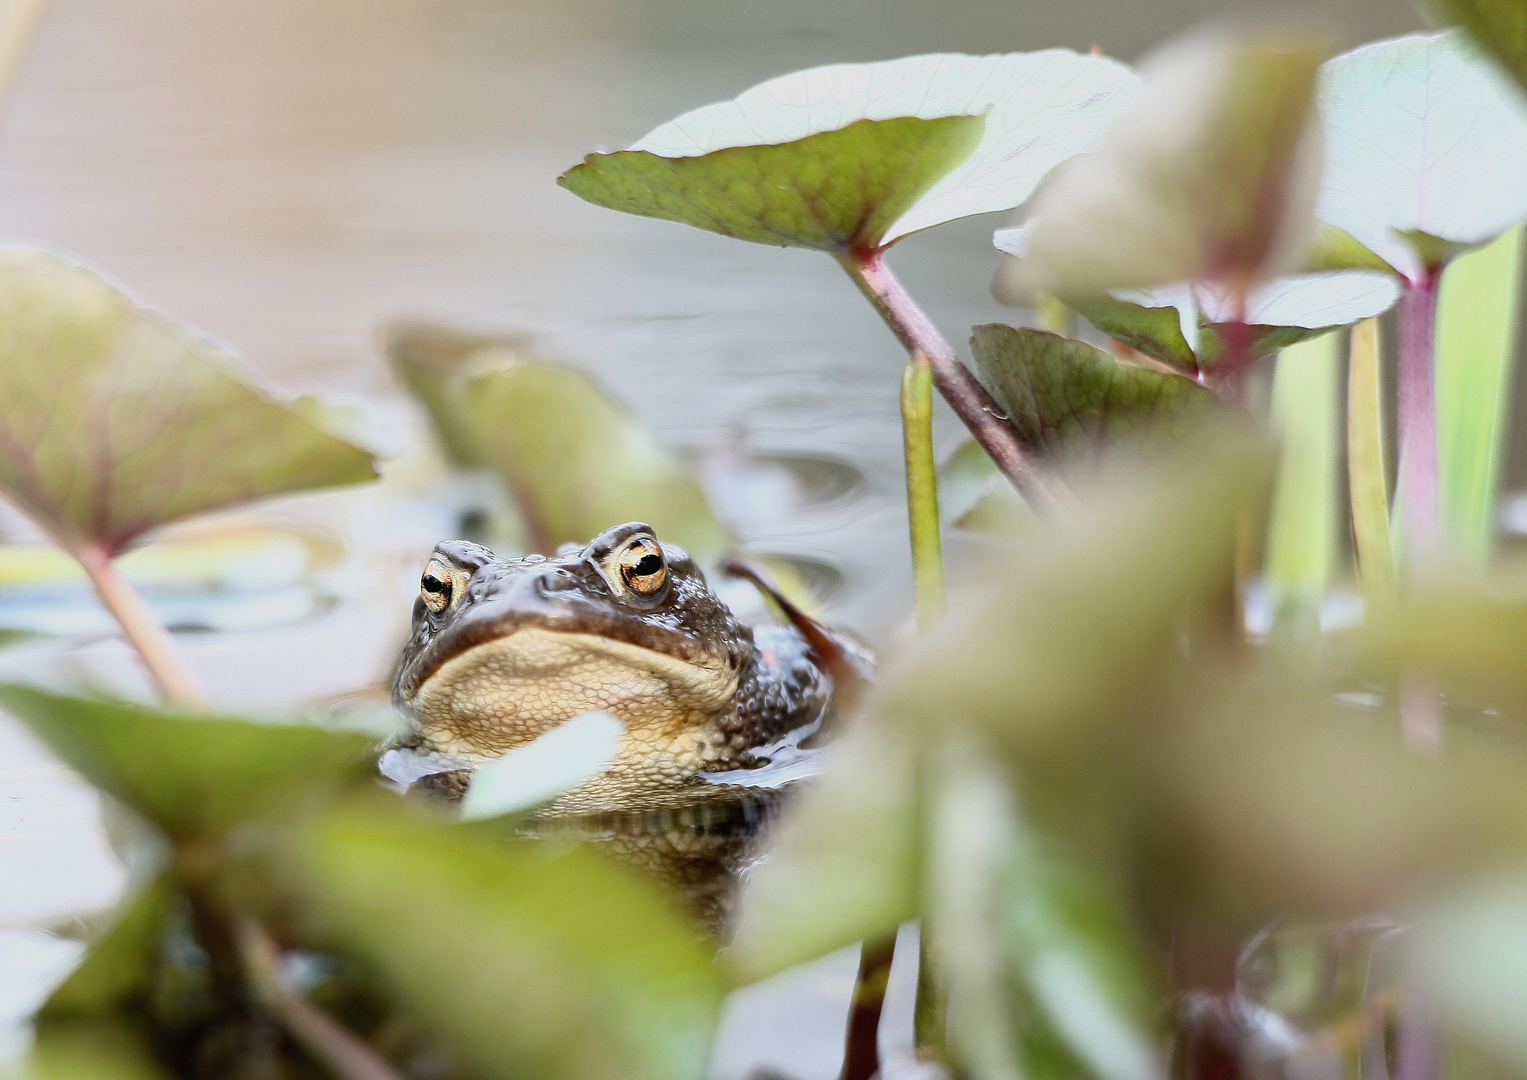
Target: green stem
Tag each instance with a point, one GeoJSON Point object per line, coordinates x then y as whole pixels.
{"type": "Point", "coordinates": [142, 630]}
{"type": "Point", "coordinates": [1367, 486]}
{"type": "Point", "coordinates": [931, 1005]}
{"type": "Point", "coordinates": [922, 488]}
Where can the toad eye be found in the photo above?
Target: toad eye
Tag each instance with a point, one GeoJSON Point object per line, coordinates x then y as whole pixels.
{"type": "Point", "coordinates": [435, 590]}
{"type": "Point", "coordinates": [642, 567]}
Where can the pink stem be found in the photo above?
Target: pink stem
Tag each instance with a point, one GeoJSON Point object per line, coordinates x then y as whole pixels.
{"type": "Point", "coordinates": [1417, 428]}
{"type": "Point", "coordinates": [959, 387]}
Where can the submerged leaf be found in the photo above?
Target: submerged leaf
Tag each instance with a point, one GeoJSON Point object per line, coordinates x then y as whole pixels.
{"type": "Point", "coordinates": [1208, 174]}
{"type": "Point", "coordinates": [116, 419]}
{"type": "Point", "coordinates": [533, 960]}
{"type": "Point", "coordinates": [860, 155]}
{"type": "Point", "coordinates": [577, 461]}
{"type": "Point", "coordinates": [1073, 399]}
{"type": "Point", "coordinates": [562, 758]}
{"type": "Point", "coordinates": [192, 775]}
{"type": "Point", "coordinates": [1425, 142]}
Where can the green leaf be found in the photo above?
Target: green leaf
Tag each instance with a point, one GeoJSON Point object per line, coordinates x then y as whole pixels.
{"type": "Point", "coordinates": [577, 461]}
{"type": "Point", "coordinates": [1208, 173]}
{"type": "Point", "coordinates": [1476, 351]}
{"type": "Point", "coordinates": [1073, 399]}
{"type": "Point", "coordinates": [117, 419]}
{"type": "Point", "coordinates": [860, 155]}
{"type": "Point", "coordinates": [1499, 27]}
{"type": "Point", "coordinates": [533, 959]}
{"type": "Point", "coordinates": [1148, 322]}
{"type": "Point", "coordinates": [974, 495]}
{"type": "Point", "coordinates": [90, 1052]}
{"type": "Point", "coordinates": [434, 363]}
{"type": "Point", "coordinates": [1367, 478]}
{"type": "Point", "coordinates": [120, 965]}
{"type": "Point", "coordinates": [1302, 531]}
{"type": "Point", "coordinates": [837, 191]}
{"type": "Point", "coordinates": [844, 863]}
{"type": "Point", "coordinates": [564, 757]}
{"type": "Point", "coordinates": [1423, 136]}
{"type": "Point", "coordinates": [191, 774]}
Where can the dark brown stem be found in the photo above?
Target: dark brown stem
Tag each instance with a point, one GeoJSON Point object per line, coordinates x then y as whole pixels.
{"type": "Point", "coordinates": [861, 1055]}
{"type": "Point", "coordinates": [340, 1050]}
{"type": "Point", "coordinates": [969, 399]}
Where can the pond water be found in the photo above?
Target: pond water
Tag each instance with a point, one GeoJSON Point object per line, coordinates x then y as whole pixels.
{"type": "Point", "coordinates": [291, 174]}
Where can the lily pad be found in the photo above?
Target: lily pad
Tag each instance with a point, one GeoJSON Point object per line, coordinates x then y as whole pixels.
{"type": "Point", "coordinates": [534, 960]}
{"type": "Point", "coordinates": [856, 156]}
{"type": "Point", "coordinates": [1072, 399]}
{"type": "Point", "coordinates": [1425, 144]}
{"type": "Point", "coordinates": [1209, 173]}
{"type": "Point", "coordinates": [117, 419]}
{"type": "Point", "coordinates": [191, 774]}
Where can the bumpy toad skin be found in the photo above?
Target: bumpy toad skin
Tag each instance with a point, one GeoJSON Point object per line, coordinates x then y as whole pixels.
{"type": "Point", "coordinates": [502, 650]}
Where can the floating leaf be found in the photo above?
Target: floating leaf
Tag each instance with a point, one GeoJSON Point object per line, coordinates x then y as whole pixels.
{"type": "Point", "coordinates": [1072, 399]}
{"type": "Point", "coordinates": [1208, 174]}
{"type": "Point", "coordinates": [1425, 141]}
{"type": "Point", "coordinates": [564, 757]}
{"type": "Point", "coordinates": [844, 863]}
{"type": "Point", "coordinates": [534, 960]}
{"type": "Point", "coordinates": [117, 419]}
{"type": "Point", "coordinates": [191, 774]}
{"type": "Point", "coordinates": [577, 461]}
{"type": "Point", "coordinates": [856, 156]}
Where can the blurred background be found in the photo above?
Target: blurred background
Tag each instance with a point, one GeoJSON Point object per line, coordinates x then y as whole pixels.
{"type": "Point", "coordinates": [290, 175]}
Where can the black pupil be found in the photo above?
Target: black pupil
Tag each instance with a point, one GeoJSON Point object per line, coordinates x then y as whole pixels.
{"type": "Point", "coordinates": [648, 565]}
{"type": "Point", "coordinates": [432, 584]}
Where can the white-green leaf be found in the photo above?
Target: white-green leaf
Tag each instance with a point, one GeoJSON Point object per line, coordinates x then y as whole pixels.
{"type": "Point", "coordinates": [1039, 109]}
{"type": "Point", "coordinates": [1423, 136]}
{"type": "Point", "coordinates": [564, 757]}
{"type": "Point", "coordinates": [1209, 173]}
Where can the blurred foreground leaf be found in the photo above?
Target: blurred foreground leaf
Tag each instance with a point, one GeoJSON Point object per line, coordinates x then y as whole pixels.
{"type": "Point", "coordinates": [89, 1052]}
{"type": "Point", "coordinates": [1208, 174]}
{"type": "Point", "coordinates": [1424, 141]}
{"type": "Point", "coordinates": [563, 757]}
{"type": "Point", "coordinates": [534, 960]}
{"type": "Point", "coordinates": [1499, 27]}
{"type": "Point", "coordinates": [190, 774]}
{"type": "Point", "coordinates": [855, 156]}
{"type": "Point", "coordinates": [1074, 400]}
{"type": "Point", "coordinates": [120, 964]}
{"type": "Point", "coordinates": [844, 864]}
{"type": "Point", "coordinates": [116, 419]}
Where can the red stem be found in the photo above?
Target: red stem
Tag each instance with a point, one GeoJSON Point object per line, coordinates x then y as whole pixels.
{"type": "Point", "coordinates": [1417, 428]}
{"type": "Point", "coordinates": [969, 399]}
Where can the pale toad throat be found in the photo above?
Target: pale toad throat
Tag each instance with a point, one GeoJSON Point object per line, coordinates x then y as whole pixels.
{"type": "Point", "coordinates": [503, 693]}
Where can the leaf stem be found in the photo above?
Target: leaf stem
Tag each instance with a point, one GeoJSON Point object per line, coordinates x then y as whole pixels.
{"type": "Point", "coordinates": [861, 1055]}
{"type": "Point", "coordinates": [922, 488]}
{"type": "Point", "coordinates": [341, 1051]}
{"type": "Point", "coordinates": [1366, 481]}
{"type": "Point", "coordinates": [1417, 428]}
{"type": "Point", "coordinates": [142, 630]}
{"type": "Point", "coordinates": [970, 401]}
